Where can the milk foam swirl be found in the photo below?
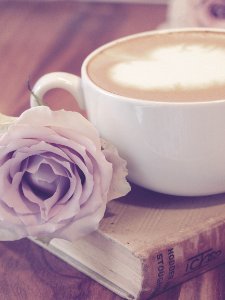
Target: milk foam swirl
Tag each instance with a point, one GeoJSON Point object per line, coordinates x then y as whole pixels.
{"type": "Point", "coordinates": [172, 66]}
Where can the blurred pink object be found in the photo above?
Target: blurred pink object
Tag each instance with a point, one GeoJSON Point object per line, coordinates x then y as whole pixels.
{"type": "Point", "coordinates": [195, 13]}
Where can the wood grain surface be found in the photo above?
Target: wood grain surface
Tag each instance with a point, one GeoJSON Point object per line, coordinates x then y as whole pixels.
{"type": "Point", "coordinates": [39, 37]}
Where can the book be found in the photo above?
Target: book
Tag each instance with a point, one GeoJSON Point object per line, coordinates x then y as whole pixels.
{"type": "Point", "coordinates": [148, 242]}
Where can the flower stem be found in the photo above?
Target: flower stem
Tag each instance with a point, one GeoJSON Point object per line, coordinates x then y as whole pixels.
{"type": "Point", "coordinates": [39, 102]}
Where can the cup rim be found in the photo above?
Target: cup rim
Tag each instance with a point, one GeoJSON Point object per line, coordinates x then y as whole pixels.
{"type": "Point", "coordinates": [139, 101]}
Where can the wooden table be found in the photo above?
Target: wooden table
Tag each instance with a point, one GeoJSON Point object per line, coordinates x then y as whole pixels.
{"type": "Point", "coordinates": [40, 37]}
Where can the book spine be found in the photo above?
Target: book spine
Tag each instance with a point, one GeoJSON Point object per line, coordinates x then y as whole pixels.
{"type": "Point", "coordinates": [176, 262]}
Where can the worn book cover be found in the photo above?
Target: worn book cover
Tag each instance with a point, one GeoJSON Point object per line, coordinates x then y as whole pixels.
{"type": "Point", "coordinates": [148, 242]}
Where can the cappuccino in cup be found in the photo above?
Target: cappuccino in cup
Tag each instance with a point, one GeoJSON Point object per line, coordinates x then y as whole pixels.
{"type": "Point", "coordinates": [159, 97]}
{"type": "Point", "coordinates": [175, 67]}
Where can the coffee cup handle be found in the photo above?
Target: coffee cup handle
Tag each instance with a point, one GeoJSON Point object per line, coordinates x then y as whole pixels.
{"type": "Point", "coordinates": [63, 80]}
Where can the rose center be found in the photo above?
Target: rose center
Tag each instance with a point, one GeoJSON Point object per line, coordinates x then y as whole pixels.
{"type": "Point", "coordinates": [44, 182]}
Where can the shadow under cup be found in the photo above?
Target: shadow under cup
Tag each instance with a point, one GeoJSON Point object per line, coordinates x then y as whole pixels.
{"type": "Point", "coordinates": [159, 97]}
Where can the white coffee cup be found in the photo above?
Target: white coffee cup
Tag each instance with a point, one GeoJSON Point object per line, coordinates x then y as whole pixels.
{"type": "Point", "coordinates": [171, 147]}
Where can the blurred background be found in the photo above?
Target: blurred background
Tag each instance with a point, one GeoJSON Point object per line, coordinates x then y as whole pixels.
{"type": "Point", "coordinates": [37, 37]}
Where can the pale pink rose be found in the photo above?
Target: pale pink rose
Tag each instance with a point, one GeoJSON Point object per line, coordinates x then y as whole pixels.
{"type": "Point", "coordinates": [56, 176]}
{"type": "Point", "coordinates": [195, 13]}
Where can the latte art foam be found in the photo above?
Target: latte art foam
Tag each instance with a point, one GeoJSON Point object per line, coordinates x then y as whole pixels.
{"type": "Point", "coordinates": [177, 66]}
{"type": "Point", "coordinates": [183, 66]}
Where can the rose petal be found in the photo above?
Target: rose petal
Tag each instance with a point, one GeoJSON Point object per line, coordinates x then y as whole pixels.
{"type": "Point", "coordinates": [7, 215]}
{"type": "Point", "coordinates": [12, 196]}
{"type": "Point", "coordinates": [41, 230]}
{"type": "Point", "coordinates": [10, 234]}
{"type": "Point", "coordinates": [119, 185]}
{"type": "Point", "coordinates": [69, 209]}
{"type": "Point", "coordinates": [81, 227]}
{"type": "Point", "coordinates": [63, 119]}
